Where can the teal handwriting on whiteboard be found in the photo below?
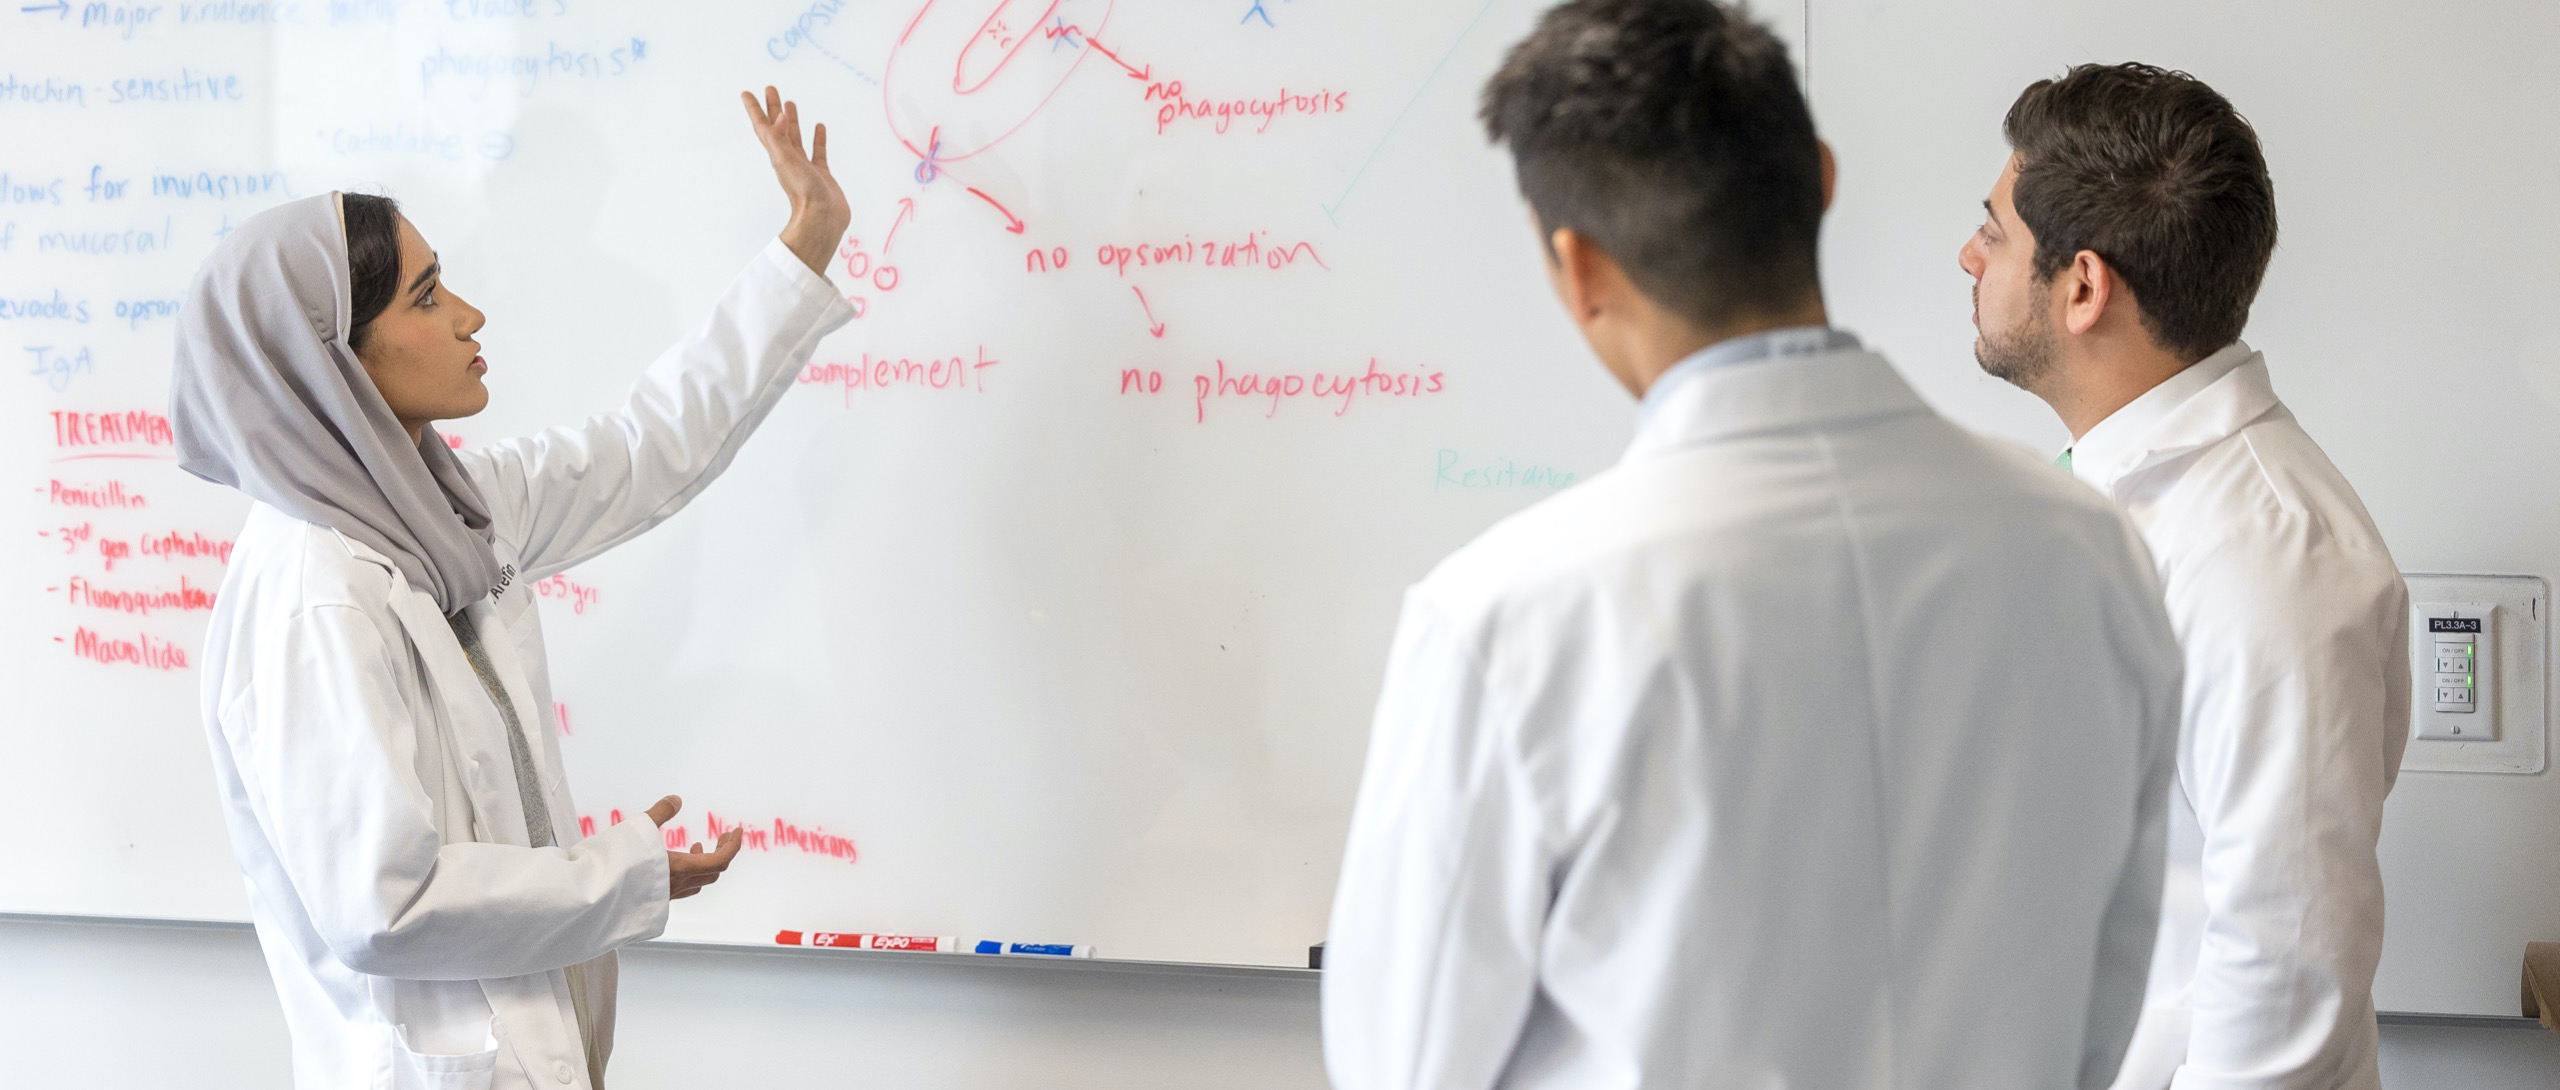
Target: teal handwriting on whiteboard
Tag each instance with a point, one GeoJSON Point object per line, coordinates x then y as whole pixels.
{"type": "Point", "coordinates": [1461, 471]}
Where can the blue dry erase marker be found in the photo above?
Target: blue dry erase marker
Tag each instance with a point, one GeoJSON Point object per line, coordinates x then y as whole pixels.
{"type": "Point", "coordinates": [1038, 949]}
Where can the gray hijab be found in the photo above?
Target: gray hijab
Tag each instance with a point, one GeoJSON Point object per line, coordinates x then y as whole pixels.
{"type": "Point", "coordinates": [269, 399]}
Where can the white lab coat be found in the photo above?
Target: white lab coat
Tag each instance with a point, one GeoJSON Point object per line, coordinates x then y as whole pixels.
{"type": "Point", "coordinates": [1817, 744]}
{"type": "Point", "coordinates": [2295, 624]}
{"type": "Point", "coordinates": [415, 940]}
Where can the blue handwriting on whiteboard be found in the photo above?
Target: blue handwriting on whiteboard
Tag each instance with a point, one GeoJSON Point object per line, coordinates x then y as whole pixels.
{"type": "Point", "coordinates": [20, 189]}
{"type": "Point", "coordinates": [188, 85]}
{"type": "Point", "coordinates": [240, 12]}
{"type": "Point", "coordinates": [220, 185]}
{"type": "Point", "coordinates": [528, 69]}
{"type": "Point", "coordinates": [819, 14]}
{"type": "Point", "coordinates": [342, 12]}
{"type": "Point", "coordinates": [44, 308]}
{"type": "Point", "coordinates": [119, 16]}
{"type": "Point", "coordinates": [131, 240]}
{"type": "Point", "coordinates": [135, 312]}
{"type": "Point", "coordinates": [466, 10]}
{"type": "Point", "coordinates": [57, 369]}
{"type": "Point", "coordinates": [103, 188]}
{"type": "Point", "coordinates": [46, 91]}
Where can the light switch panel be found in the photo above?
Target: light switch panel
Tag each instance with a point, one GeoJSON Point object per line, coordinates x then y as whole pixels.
{"type": "Point", "coordinates": [2454, 641]}
{"type": "Point", "coordinates": [2477, 670]}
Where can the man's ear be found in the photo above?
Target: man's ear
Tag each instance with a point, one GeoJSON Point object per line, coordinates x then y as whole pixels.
{"type": "Point", "coordinates": [2088, 287]}
{"type": "Point", "coordinates": [1578, 274]}
{"type": "Point", "coordinates": [1830, 172]}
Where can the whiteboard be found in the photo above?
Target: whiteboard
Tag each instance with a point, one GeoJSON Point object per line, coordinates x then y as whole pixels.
{"type": "Point", "coordinates": [1049, 606]}
{"type": "Point", "coordinates": [1064, 663]}
{"type": "Point", "coordinates": [2404, 321]}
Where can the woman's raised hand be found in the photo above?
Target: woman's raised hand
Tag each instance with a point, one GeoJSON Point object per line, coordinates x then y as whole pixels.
{"type": "Point", "coordinates": [819, 214]}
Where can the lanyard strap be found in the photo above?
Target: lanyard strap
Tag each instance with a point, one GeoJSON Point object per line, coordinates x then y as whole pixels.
{"type": "Point", "coordinates": [537, 813]}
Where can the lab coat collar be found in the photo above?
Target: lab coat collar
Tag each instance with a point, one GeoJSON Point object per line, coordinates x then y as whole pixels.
{"type": "Point", "coordinates": [1773, 394]}
{"type": "Point", "coordinates": [1801, 340]}
{"type": "Point", "coordinates": [2205, 404]}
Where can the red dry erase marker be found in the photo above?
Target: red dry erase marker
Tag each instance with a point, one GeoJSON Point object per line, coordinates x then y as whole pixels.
{"type": "Point", "coordinates": [859, 941]}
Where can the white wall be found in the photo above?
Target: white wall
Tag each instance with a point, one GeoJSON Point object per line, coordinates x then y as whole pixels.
{"type": "Point", "coordinates": [106, 1008]}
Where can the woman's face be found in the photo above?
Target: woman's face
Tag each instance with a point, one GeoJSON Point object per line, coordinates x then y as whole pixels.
{"type": "Point", "coordinates": [420, 351]}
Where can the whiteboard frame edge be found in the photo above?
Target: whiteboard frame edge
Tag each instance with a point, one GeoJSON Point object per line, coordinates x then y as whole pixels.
{"type": "Point", "coordinates": [873, 957]}
{"type": "Point", "coordinates": [1103, 965]}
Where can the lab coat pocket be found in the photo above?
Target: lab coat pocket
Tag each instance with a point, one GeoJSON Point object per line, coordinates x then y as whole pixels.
{"type": "Point", "coordinates": [412, 1070]}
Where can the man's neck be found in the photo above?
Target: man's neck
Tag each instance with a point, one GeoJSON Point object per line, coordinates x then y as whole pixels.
{"type": "Point", "coordinates": [1664, 350]}
{"type": "Point", "coordinates": [2093, 389]}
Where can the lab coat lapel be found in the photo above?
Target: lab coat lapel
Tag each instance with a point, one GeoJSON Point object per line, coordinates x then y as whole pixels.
{"type": "Point", "coordinates": [476, 736]}
{"type": "Point", "coordinates": [1774, 395]}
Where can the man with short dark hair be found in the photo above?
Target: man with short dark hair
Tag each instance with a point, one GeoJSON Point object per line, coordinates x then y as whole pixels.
{"type": "Point", "coordinates": [2125, 240]}
{"type": "Point", "coordinates": [1815, 744]}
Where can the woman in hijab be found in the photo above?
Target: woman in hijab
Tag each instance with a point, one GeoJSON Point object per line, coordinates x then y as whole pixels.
{"type": "Point", "coordinates": [375, 675]}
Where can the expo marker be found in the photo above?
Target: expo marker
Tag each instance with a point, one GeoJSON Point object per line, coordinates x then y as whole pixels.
{"type": "Point", "coordinates": [923, 943]}
{"type": "Point", "coordinates": [1040, 949]}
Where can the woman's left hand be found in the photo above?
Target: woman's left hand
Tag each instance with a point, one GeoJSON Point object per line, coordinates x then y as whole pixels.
{"type": "Point", "coordinates": [819, 214]}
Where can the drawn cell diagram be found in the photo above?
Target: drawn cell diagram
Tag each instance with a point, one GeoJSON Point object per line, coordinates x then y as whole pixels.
{"type": "Point", "coordinates": [966, 74]}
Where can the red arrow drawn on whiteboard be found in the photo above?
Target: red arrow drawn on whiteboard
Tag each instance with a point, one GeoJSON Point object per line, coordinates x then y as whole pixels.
{"type": "Point", "coordinates": [906, 211]}
{"type": "Point", "coordinates": [1098, 47]}
{"type": "Point", "coordinates": [1115, 59]}
{"type": "Point", "coordinates": [1154, 328]}
{"type": "Point", "coordinates": [1012, 223]}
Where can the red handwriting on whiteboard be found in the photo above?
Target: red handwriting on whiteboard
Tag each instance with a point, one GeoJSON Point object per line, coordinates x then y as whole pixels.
{"type": "Point", "coordinates": [954, 373]}
{"type": "Point", "coordinates": [141, 601]}
{"type": "Point", "coordinates": [958, 82]}
{"type": "Point", "coordinates": [1154, 328]}
{"type": "Point", "coordinates": [110, 496]}
{"type": "Point", "coordinates": [1251, 250]}
{"type": "Point", "coordinates": [188, 545]}
{"type": "Point", "coordinates": [1012, 223]}
{"type": "Point", "coordinates": [171, 546]}
{"type": "Point", "coordinates": [1059, 33]}
{"type": "Point", "coordinates": [71, 538]}
{"type": "Point", "coordinates": [1221, 115]}
{"type": "Point", "coordinates": [783, 834]}
{"type": "Point", "coordinates": [770, 836]}
{"type": "Point", "coordinates": [1336, 390]}
{"type": "Point", "coordinates": [869, 275]}
{"type": "Point", "coordinates": [141, 650]}
{"type": "Point", "coordinates": [136, 433]}
{"type": "Point", "coordinates": [562, 588]}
